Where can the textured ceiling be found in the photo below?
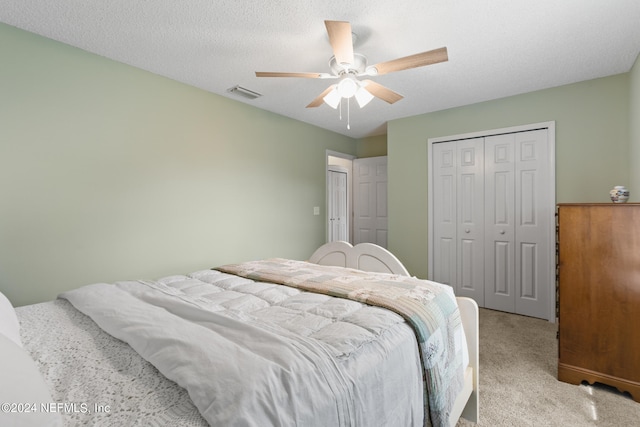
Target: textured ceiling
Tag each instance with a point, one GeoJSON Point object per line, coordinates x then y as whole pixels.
{"type": "Point", "coordinates": [496, 48]}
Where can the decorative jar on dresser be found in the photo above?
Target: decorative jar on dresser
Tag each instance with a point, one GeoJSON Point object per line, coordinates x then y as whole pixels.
{"type": "Point", "coordinates": [599, 295]}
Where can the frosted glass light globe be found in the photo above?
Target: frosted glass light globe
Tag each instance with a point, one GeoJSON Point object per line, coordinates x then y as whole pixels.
{"type": "Point", "coordinates": [347, 87]}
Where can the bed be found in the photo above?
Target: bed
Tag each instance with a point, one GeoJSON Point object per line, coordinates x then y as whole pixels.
{"type": "Point", "coordinates": [231, 346]}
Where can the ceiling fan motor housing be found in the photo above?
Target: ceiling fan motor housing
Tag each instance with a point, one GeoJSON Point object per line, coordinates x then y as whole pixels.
{"type": "Point", "coordinates": [358, 67]}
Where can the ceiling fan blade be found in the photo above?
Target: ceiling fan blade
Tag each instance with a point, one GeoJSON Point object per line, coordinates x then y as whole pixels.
{"type": "Point", "coordinates": [276, 74]}
{"type": "Point", "coordinates": [381, 92]}
{"type": "Point", "coordinates": [320, 99]}
{"type": "Point", "coordinates": [413, 61]}
{"type": "Point", "coordinates": [341, 40]}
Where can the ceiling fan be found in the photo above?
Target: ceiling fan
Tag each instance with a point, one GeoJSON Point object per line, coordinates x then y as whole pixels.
{"type": "Point", "coordinates": [347, 66]}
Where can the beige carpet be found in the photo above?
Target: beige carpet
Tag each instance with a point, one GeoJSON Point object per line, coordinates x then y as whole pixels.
{"type": "Point", "coordinates": [518, 385]}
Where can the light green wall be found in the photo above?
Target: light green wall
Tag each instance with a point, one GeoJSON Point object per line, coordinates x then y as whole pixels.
{"type": "Point", "coordinates": [592, 148]}
{"type": "Point", "coordinates": [372, 146]}
{"type": "Point", "coordinates": [108, 172]}
{"type": "Point", "coordinates": [634, 132]}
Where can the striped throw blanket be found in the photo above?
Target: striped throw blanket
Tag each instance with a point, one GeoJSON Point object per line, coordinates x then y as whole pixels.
{"type": "Point", "coordinates": [429, 307]}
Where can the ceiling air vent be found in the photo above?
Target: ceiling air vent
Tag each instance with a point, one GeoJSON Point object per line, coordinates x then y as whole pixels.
{"type": "Point", "coordinates": [244, 92]}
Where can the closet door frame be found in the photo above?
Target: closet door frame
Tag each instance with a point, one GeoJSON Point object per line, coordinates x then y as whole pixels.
{"type": "Point", "coordinates": [551, 195]}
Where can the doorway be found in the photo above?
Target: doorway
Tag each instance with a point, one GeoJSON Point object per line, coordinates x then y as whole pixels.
{"type": "Point", "coordinates": [338, 204]}
{"type": "Point", "coordinates": [365, 199]}
{"type": "Point", "coordinates": [339, 168]}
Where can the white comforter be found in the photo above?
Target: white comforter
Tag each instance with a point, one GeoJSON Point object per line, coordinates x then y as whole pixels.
{"type": "Point", "coordinates": [257, 354]}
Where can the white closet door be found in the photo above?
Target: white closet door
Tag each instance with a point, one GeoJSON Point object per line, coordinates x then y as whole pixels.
{"type": "Point", "coordinates": [470, 223]}
{"type": "Point", "coordinates": [458, 174]}
{"type": "Point", "coordinates": [445, 214]}
{"type": "Point", "coordinates": [370, 202]}
{"type": "Point", "coordinates": [533, 224]}
{"type": "Point", "coordinates": [500, 222]}
{"type": "Point", "coordinates": [492, 219]}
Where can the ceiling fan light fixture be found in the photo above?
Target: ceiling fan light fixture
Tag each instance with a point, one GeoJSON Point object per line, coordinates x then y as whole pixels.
{"type": "Point", "coordinates": [347, 87]}
{"type": "Point", "coordinates": [332, 99]}
{"type": "Point", "coordinates": [363, 96]}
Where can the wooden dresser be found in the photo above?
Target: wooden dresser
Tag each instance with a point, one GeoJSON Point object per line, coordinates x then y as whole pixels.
{"type": "Point", "coordinates": [599, 295]}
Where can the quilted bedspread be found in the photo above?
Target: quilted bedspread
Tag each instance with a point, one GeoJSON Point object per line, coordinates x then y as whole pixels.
{"type": "Point", "coordinates": [251, 353]}
{"type": "Point", "coordinates": [428, 306]}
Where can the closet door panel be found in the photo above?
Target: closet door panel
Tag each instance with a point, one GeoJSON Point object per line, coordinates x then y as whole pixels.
{"type": "Point", "coordinates": [470, 211]}
{"type": "Point", "coordinates": [445, 256]}
{"type": "Point", "coordinates": [529, 286]}
{"type": "Point", "coordinates": [500, 222]}
{"type": "Point", "coordinates": [532, 224]}
{"type": "Point", "coordinates": [502, 259]}
{"type": "Point", "coordinates": [493, 219]}
{"type": "Point", "coordinates": [445, 214]}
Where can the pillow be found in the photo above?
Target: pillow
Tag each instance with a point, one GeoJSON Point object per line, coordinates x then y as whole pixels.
{"type": "Point", "coordinates": [24, 395]}
{"type": "Point", "coordinates": [9, 325]}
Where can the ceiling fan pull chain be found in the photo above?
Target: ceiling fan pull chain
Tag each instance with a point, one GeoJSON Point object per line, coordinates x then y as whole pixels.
{"type": "Point", "coordinates": [348, 116]}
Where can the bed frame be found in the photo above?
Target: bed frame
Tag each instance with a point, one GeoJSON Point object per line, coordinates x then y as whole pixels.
{"type": "Point", "coordinates": [370, 257]}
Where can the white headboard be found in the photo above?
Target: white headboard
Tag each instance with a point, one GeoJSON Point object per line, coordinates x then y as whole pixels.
{"type": "Point", "coordinates": [363, 256]}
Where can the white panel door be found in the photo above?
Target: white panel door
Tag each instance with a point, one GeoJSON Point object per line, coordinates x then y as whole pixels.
{"type": "Point", "coordinates": [445, 215]}
{"type": "Point", "coordinates": [370, 201]}
{"type": "Point", "coordinates": [470, 219]}
{"type": "Point", "coordinates": [492, 219]}
{"type": "Point", "coordinates": [458, 174]}
{"type": "Point", "coordinates": [500, 222]}
{"type": "Point", "coordinates": [338, 213]}
{"type": "Point", "coordinates": [533, 224]}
